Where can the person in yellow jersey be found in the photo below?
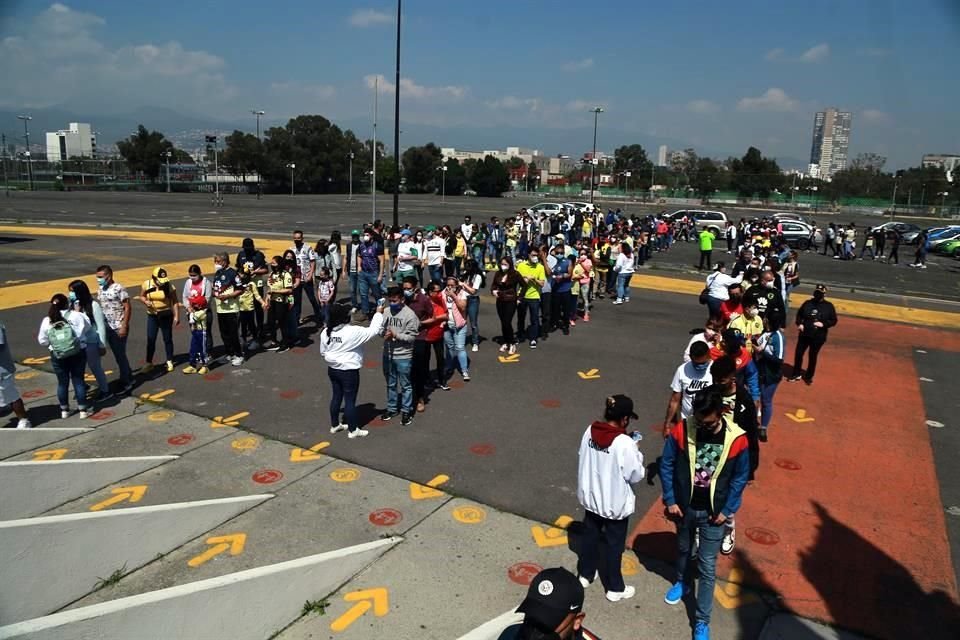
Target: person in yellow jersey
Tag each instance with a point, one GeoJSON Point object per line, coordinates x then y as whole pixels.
{"type": "Point", "coordinates": [750, 325]}
{"type": "Point", "coordinates": [534, 276]}
{"type": "Point", "coordinates": [159, 297]}
{"type": "Point", "coordinates": [248, 302]}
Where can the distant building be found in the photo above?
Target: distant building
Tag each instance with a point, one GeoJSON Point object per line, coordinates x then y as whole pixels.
{"type": "Point", "coordinates": [662, 156]}
{"type": "Point", "coordinates": [946, 161]}
{"type": "Point", "coordinates": [831, 140]}
{"type": "Point", "coordinates": [77, 141]}
{"type": "Point", "coordinates": [527, 155]}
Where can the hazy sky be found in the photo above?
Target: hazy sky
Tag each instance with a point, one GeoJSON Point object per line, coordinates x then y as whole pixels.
{"type": "Point", "coordinates": [719, 76]}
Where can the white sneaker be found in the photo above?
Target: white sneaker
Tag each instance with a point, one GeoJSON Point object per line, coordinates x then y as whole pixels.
{"type": "Point", "coordinates": [729, 541]}
{"type": "Point", "coordinates": [586, 583]}
{"type": "Point", "coordinates": [475, 348]}
{"type": "Point", "coordinates": [340, 427]}
{"type": "Point", "coordinates": [84, 414]}
{"type": "Point", "coordinates": [24, 423]}
{"type": "Point", "coordinates": [64, 414]}
{"type": "Point", "coordinates": [236, 361]}
{"type": "Point", "coordinates": [618, 301]}
{"type": "Point", "coordinates": [358, 433]}
{"type": "Point", "coordinates": [617, 596]}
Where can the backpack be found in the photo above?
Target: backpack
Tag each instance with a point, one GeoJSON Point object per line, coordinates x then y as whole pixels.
{"type": "Point", "coordinates": [63, 341]}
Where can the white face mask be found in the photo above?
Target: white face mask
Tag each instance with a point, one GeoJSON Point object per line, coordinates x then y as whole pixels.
{"type": "Point", "coordinates": [504, 267]}
{"type": "Point", "coordinates": [534, 259]}
{"type": "Point", "coordinates": [768, 285]}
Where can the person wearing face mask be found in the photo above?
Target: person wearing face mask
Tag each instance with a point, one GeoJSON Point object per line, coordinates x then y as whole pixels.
{"type": "Point", "coordinates": [115, 301]}
{"type": "Point", "coordinates": [717, 290]}
{"type": "Point", "coordinates": [421, 306]}
{"type": "Point", "coordinates": [610, 462]}
{"type": "Point", "coordinates": [306, 259]}
{"type": "Point", "coordinates": [400, 329]}
{"type": "Point", "coordinates": [689, 379]}
{"type": "Point", "coordinates": [435, 248]}
{"type": "Point", "coordinates": [815, 317]}
{"type": "Point", "coordinates": [767, 298]}
{"type": "Point", "coordinates": [371, 267]}
{"type": "Point", "coordinates": [163, 312]}
{"type": "Point", "coordinates": [353, 270]}
{"type": "Point", "coordinates": [279, 304]}
{"type": "Point", "coordinates": [733, 305]}
{"type": "Point", "coordinates": [552, 609]}
{"type": "Point", "coordinates": [504, 288]}
{"type": "Point", "coordinates": [750, 324]}
{"type": "Point", "coordinates": [583, 276]}
{"type": "Point", "coordinates": [771, 348]}
{"type": "Point", "coordinates": [227, 288]}
{"type": "Point", "coordinates": [703, 472]}
{"type": "Point", "coordinates": [291, 265]}
{"type": "Point", "coordinates": [254, 261]}
{"type": "Point", "coordinates": [562, 285]}
{"type": "Point", "coordinates": [9, 395]}
{"type": "Point", "coordinates": [709, 336]}
{"type": "Point", "coordinates": [534, 276]}
{"type": "Point", "coordinates": [472, 280]}
{"type": "Point", "coordinates": [96, 337]}
{"type": "Point", "coordinates": [197, 292]}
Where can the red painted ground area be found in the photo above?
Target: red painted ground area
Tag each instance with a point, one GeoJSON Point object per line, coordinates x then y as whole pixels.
{"type": "Point", "coordinates": [845, 521]}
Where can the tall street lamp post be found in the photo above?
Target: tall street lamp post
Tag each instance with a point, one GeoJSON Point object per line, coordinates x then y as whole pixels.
{"type": "Point", "coordinates": [443, 181]}
{"type": "Point", "coordinates": [291, 166]}
{"type": "Point", "coordinates": [26, 138]}
{"type": "Point", "coordinates": [593, 159]}
{"type": "Point", "coordinates": [396, 129]}
{"type": "Point", "coordinates": [3, 158]}
{"type": "Point", "coordinates": [166, 155]}
{"type": "Point", "coordinates": [351, 175]}
{"type": "Point", "coordinates": [258, 113]}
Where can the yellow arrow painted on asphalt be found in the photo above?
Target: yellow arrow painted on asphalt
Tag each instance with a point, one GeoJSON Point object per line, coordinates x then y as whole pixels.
{"type": "Point", "coordinates": [422, 492]}
{"type": "Point", "coordinates": [232, 421]}
{"type": "Point", "coordinates": [233, 541]}
{"type": "Point", "coordinates": [800, 416]}
{"type": "Point", "coordinates": [552, 536]}
{"type": "Point", "coordinates": [593, 374]}
{"type": "Point", "coordinates": [731, 595]}
{"type": "Point", "coordinates": [49, 454]}
{"type": "Point", "coordinates": [377, 599]}
{"type": "Point", "coordinates": [121, 494]}
{"type": "Point", "coordinates": [39, 360]}
{"type": "Point", "coordinates": [91, 378]}
{"type": "Point", "coordinates": [511, 358]}
{"type": "Point", "coordinates": [305, 455]}
{"type": "Point", "coordinates": [26, 375]}
{"type": "Point", "coordinates": [156, 397]}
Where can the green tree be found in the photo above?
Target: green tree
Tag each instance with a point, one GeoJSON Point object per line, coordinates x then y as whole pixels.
{"type": "Point", "coordinates": [144, 152]}
{"type": "Point", "coordinates": [242, 154]}
{"type": "Point", "coordinates": [756, 175]}
{"type": "Point", "coordinates": [420, 168]}
{"type": "Point", "coordinates": [633, 158]}
{"type": "Point", "coordinates": [490, 178]}
{"type": "Point", "coordinates": [456, 178]}
{"type": "Point", "coordinates": [387, 178]}
{"type": "Point", "coordinates": [533, 176]}
{"type": "Point", "coordinates": [318, 148]}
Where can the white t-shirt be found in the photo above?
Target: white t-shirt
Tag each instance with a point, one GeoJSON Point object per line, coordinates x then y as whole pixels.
{"type": "Point", "coordinates": [406, 249]}
{"type": "Point", "coordinates": [687, 381]}
{"type": "Point", "coordinates": [435, 249]}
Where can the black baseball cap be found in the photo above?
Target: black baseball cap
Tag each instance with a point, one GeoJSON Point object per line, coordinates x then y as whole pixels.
{"type": "Point", "coordinates": [553, 595]}
{"type": "Point", "coordinates": [620, 406]}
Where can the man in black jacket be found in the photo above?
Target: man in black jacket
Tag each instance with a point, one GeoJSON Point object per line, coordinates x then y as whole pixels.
{"type": "Point", "coordinates": [768, 299]}
{"type": "Point", "coordinates": [814, 319]}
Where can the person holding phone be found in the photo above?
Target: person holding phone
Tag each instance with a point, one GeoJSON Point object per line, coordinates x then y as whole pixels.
{"type": "Point", "coordinates": [455, 332]}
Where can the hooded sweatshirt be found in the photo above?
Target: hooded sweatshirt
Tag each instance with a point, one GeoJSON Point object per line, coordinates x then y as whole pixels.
{"type": "Point", "coordinates": [342, 346]}
{"type": "Point", "coordinates": [609, 463]}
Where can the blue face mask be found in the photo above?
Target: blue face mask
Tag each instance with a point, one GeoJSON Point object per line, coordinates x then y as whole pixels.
{"type": "Point", "coordinates": [72, 296]}
{"type": "Point", "coordinates": [408, 293]}
{"type": "Point", "coordinates": [700, 367]}
{"type": "Point", "coordinates": [102, 282]}
{"type": "Point", "coordinates": [395, 308]}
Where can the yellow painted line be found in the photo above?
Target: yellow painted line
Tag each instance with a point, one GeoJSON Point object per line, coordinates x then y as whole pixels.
{"type": "Point", "coordinates": [22, 295]}
{"type": "Point", "coordinates": [553, 536]}
{"type": "Point", "coordinates": [423, 492]}
{"type": "Point", "coordinates": [856, 308]}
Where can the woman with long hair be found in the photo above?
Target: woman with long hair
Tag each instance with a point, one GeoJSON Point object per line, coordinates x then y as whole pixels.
{"type": "Point", "coordinates": [159, 296]}
{"type": "Point", "coordinates": [63, 332]}
{"type": "Point", "coordinates": [341, 345]}
{"type": "Point", "coordinates": [624, 268]}
{"type": "Point", "coordinates": [506, 283]}
{"type": "Point", "coordinates": [471, 280]}
{"type": "Point", "coordinates": [335, 247]}
{"type": "Point", "coordinates": [96, 337]}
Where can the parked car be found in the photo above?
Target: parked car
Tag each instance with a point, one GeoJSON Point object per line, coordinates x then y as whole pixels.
{"type": "Point", "coordinates": [586, 207]}
{"type": "Point", "coordinates": [715, 221]}
{"type": "Point", "coordinates": [935, 244]}
{"type": "Point", "coordinates": [797, 234]}
{"type": "Point", "coordinates": [548, 208]}
{"type": "Point", "coordinates": [950, 248]}
{"type": "Point", "coordinates": [908, 231]}
{"type": "Point", "coordinates": [935, 233]}
{"type": "Point", "coordinates": [784, 215]}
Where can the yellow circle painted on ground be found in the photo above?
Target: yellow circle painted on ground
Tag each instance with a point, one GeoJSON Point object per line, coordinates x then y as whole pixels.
{"type": "Point", "coordinates": [245, 444]}
{"type": "Point", "coordinates": [26, 375]}
{"type": "Point", "coordinates": [344, 475]}
{"type": "Point", "coordinates": [469, 515]}
{"type": "Point", "coordinates": [629, 566]}
{"type": "Point", "coordinates": [159, 416]}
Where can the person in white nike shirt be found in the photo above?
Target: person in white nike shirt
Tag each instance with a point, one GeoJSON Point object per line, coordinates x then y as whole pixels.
{"type": "Point", "coordinates": [610, 462]}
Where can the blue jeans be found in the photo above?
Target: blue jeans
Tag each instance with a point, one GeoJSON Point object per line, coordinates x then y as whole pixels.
{"type": "Point", "coordinates": [368, 286]}
{"type": "Point", "coordinates": [397, 373]}
{"type": "Point", "coordinates": [160, 323]}
{"type": "Point", "coordinates": [455, 340]}
{"type": "Point", "coordinates": [96, 368]}
{"type": "Point", "coordinates": [473, 318]}
{"type": "Point", "coordinates": [436, 273]}
{"type": "Point", "coordinates": [118, 346]}
{"type": "Point", "coordinates": [623, 285]}
{"type": "Point", "coordinates": [344, 383]}
{"type": "Point", "coordinates": [533, 308]}
{"type": "Point", "coordinates": [766, 403]}
{"type": "Point", "coordinates": [354, 290]}
{"type": "Point", "coordinates": [713, 306]}
{"type": "Point", "coordinates": [71, 370]}
{"type": "Point", "coordinates": [710, 537]}
{"type": "Point", "coordinates": [311, 290]}
{"type": "Point", "coordinates": [198, 347]}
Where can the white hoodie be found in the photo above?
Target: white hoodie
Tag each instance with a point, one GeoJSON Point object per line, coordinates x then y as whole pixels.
{"type": "Point", "coordinates": [605, 476]}
{"type": "Point", "coordinates": [344, 349]}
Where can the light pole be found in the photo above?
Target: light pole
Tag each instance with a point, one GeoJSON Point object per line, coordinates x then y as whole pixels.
{"type": "Point", "coordinates": [443, 181]}
{"type": "Point", "coordinates": [593, 159]}
{"type": "Point", "coordinates": [626, 182]}
{"type": "Point", "coordinates": [3, 158]}
{"type": "Point", "coordinates": [258, 113]}
{"type": "Point", "coordinates": [943, 198]}
{"type": "Point", "coordinates": [813, 192]}
{"type": "Point", "coordinates": [26, 138]}
{"type": "Point", "coordinates": [396, 129]}
{"type": "Point", "coordinates": [893, 204]}
{"type": "Point", "coordinates": [167, 154]}
{"type": "Point", "coordinates": [373, 149]}
{"type": "Point", "coordinates": [923, 194]}
{"type": "Point", "coordinates": [351, 175]}
{"type": "Point", "coordinates": [291, 166]}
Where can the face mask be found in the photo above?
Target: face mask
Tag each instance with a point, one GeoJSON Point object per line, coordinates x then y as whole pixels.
{"type": "Point", "coordinates": [504, 267]}
{"type": "Point", "coordinates": [701, 367]}
{"type": "Point", "coordinates": [436, 296]}
{"type": "Point", "coordinates": [355, 241]}
{"type": "Point", "coordinates": [72, 296]}
{"type": "Point", "coordinates": [768, 285]}
{"type": "Point", "coordinates": [195, 279]}
{"type": "Point", "coordinates": [102, 282]}
{"type": "Point", "coordinates": [274, 267]}
{"type": "Point", "coordinates": [534, 259]}
{"type": "Point", "coordinates": [218, 267]}
{"type": "Point", "coordinates": [750, 313]}
{"type": "Point", "coordinates": [735, 297]}
{"type": "Point", "coordinates": [395, 307]}
{"type": "Point", "coordinates": [818, 295]}
{"type": "Point", "coordinates": [408, 293]}
{"type": "Point", "coordinates": [709, 334]}
{"type": "Point", "coordinates": [298, 243]}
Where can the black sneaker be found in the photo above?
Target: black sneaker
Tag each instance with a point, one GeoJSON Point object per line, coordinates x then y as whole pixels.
{"type": "Point", "coordinates": [762, 435]}
{"type": "Point", "coordinates": [406, 419]}
{"type": "Point", "coordinates": [282, 349]}
{"type": "Point", "coordinates": [387, 415]}
{"type": "Point", "coordinates": [795, 378]}
{"type": "Point", "coordinates": [444, 386]}
{"type": "Point", "coordinates": [273, 346]}
{"type": "Point", "coordinates": [533, 344]}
